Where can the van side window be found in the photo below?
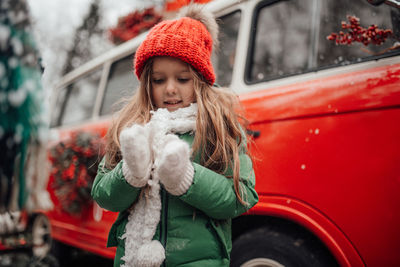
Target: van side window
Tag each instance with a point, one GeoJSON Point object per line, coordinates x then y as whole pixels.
{"type": "Point", "coordinates": [333, 12]}
{"type": "Point", "coordinates": [225, 56]}
{"type": "Point", "coordinates": [122, 82]}
{"type": "Point", "coordinates": [76, 101]}
{"type": "Point", "coordinates": [282, 39]}
{"type": "Point", "coordinates": [290, 37]}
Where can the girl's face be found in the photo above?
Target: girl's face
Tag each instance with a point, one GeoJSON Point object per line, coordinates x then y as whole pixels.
{"type": "Point", "coordinates": [171, 83]}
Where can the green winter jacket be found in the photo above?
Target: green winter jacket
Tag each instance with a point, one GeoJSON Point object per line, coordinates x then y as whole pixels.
{"type": "Point", "coordinates": [194, 228]}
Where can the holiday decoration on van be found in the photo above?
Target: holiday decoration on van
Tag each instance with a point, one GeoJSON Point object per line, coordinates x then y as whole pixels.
{"type": "Point", "coordinates": [75, 164]}
{"type": "Point", "coordinates": [133, 24]}
{"type": "Point", "coordinates": [173, 5]}
{"type": "Point", "coordinates": [356, 33]}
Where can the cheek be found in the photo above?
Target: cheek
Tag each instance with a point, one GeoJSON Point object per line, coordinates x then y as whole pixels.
{"type": "Point", "coordinates": [189, 97]}
{"type": "Point", "coordinates": [193, 97]}
{"type": "Point", "coordinates": [155, 96]}
{"type": "Point", "coordinates": [190, 94]}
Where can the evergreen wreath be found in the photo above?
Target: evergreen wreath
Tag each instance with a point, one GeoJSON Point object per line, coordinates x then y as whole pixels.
{"type": "Point", "coordinates": [74, 167]}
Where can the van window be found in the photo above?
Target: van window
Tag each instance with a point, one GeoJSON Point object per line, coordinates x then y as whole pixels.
{"type": "Point", "coordinates": [76, 101]}
{"type": "Point", "coordinates": [290, 37]}
{"type": "Point", "coordinates": [122, 82]}
{"type": "Point", "coordinates": [225, 56]}
{"type": "Point", "coordinates": [282, 39]}
{"type": "Point", "coordinates": [332, 13]}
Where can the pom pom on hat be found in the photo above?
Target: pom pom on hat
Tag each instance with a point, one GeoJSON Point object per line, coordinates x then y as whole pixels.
{"type": "Point", "coordinates": [189, 38]}
{"type": "Point", "coordinates": [197, 12]}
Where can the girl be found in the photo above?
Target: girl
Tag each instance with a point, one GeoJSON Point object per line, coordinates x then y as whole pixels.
{"type": "Point", "coordinates": [176, 166]}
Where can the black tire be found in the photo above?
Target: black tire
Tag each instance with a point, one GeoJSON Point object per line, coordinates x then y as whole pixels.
{"type": "Point", "coordinates": [270, 247]}
{"type": "Point", "coordinates": [68, 256]}
{"type": "Point", "coordinates": [62, 252]}
{"type": "Point", "coordinates": [376, 2]}
{"type": "Point", "coordinates": [47, 261]}
{"type": "Point", "coordinates": [40, 230]}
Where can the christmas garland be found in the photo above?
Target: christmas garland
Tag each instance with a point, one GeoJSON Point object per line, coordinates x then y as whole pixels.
{"type": "Point", "coordinates": [74, 167]}
{"type": "Point", "coordinates": [133, 24]}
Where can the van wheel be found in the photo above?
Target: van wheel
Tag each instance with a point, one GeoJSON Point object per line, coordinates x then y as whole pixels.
{"type": "Point", "coordinates": [265, 247]}
{"type": "Point", "coordinates": [376, 2]}
{"type": "Point", "coordinates": [41, 236]}
{"type": "Point", "coordinates": [63, 253]}
{"type": "Point", "coordinates": [47, 261]}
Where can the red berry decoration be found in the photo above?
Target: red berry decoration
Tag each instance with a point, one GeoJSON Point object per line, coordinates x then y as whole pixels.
{"type": "Point", "coordinates": [356, 33]}
{"type": "Point", "coordinates": [133, 24]}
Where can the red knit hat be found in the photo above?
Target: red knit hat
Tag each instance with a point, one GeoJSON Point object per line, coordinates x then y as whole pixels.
{"type": "Point", "coordinates": [188, 38]}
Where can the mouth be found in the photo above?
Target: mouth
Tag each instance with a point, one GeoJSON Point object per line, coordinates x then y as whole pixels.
{"type": "Point", "coordinates": [172, 102]}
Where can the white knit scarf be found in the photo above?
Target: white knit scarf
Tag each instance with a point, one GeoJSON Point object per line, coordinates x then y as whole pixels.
{"type": "Point", "coordinates": [140, 249]}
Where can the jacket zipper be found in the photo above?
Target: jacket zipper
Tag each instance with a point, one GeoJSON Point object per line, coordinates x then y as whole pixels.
{"type": "Point", "coordinates": [164, 216]}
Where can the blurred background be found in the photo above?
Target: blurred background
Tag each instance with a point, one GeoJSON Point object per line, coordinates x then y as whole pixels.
{"type": "Point", "coordinates": [69, 33]}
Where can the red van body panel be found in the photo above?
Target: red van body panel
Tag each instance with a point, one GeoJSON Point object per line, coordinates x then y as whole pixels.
{"type": "Point", "coordinates": [333, 145]}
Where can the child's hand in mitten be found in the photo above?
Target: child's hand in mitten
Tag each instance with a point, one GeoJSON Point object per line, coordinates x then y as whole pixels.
{"type": "Point", "coordinates": [173, 166]}
{"type": "Point", "coordinates": [136, 155]}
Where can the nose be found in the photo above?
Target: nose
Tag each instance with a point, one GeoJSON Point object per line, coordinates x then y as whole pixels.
{"type": "Point", "coordinates": [170, 87]}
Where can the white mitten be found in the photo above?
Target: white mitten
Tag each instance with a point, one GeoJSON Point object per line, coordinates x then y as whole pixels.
{"type": "Point", "coordinates": [173, 166]}
{"type": "Point", "coordinates": [135, 149]}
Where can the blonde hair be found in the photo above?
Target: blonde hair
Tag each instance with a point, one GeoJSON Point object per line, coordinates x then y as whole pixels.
{"type": "Point", "coordinates": [219, 134]}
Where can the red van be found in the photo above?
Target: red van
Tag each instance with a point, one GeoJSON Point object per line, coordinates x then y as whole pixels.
{"type": "Point", "coordinates": [324, 118]}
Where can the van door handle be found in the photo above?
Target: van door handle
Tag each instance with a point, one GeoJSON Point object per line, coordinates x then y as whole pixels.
{"type": "Point", "coordinates": [253, 133]}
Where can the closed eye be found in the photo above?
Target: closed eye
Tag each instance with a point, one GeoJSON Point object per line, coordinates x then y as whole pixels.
{"type": "Point", "coordinates": [183, 80]}
{"type": "Point", "coordinates": [158, 81]}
